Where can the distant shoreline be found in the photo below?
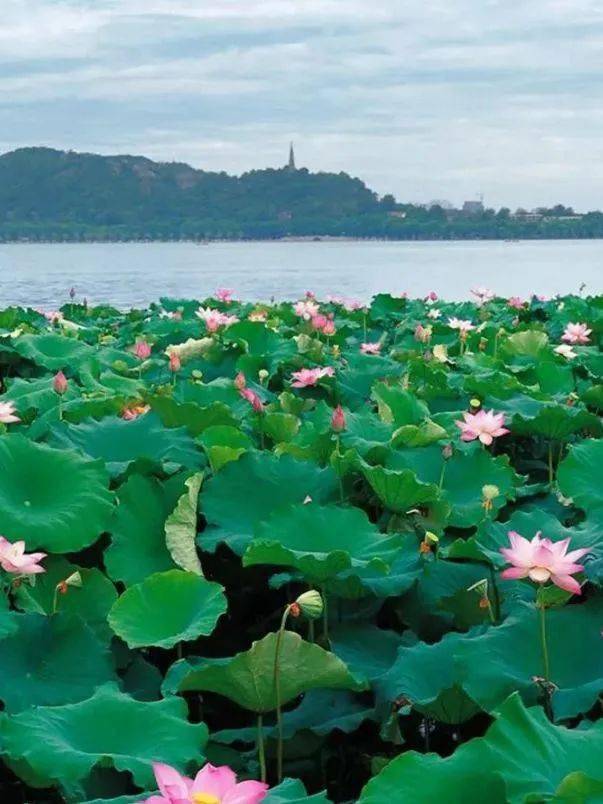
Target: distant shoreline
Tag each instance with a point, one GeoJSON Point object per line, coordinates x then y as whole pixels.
{"type": "Point", "coordinates": [313, 239]}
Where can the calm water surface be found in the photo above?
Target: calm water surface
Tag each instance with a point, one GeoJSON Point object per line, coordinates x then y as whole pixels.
{"type": "Point", "coordinates": [133, 274]}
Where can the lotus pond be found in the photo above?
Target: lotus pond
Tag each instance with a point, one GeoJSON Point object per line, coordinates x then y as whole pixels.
{"type": "Point", "coordinates": [302, 552]}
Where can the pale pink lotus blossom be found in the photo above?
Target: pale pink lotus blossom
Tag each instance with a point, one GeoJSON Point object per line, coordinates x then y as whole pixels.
{"type": "Point", "coordinates": [338, 422]}
{"type": "Point", "coordinates": [306, 309]}
{"type": "Point", "coordinates": [310, 295]}
{"type": "Point", "coordinates": [515, 303]}
{"type": "Point", "coordinates": [13, 558]}
{"type": "Point", "coordinates": [8, 414]}
{"type": "Point", "coordinates": [483, 295]}
{"type": "Point", "coordinates": [211, 785]}
{"type": "Point", "coordinates": [54, 316]}
{"type": "Point", "coordinates": [351, 305]}
{"type": "Point", "coordinates": [372, 348]}
{"type": "Point", "coordinates": [434, 313]}
{"type": "Point", "coordinates": [59, 383]}
{"type": "Point", "coordinates": [134, 411]}
{"type": "Point", "coordinates": [214, 319]}
{"type": "Point", "coordinates": [142, 350]}
{"type": "Point", "coordinates": [576, 334]}
{"type": "Point", "coordinates": [253, 399]}
{"type": "Point", "coordinates": [423, 334]}
{"type": "Point", "coordinates": [175, 362]}
{"type": "Point", "coordinates": [319, 321]}
{"type": "Point", "coordinates": [566, 351]}
{"type": "Point", "coordinates": [462, 325]}
{"type": "Point", "coordinates": [542, 560]}
{"type": "Point", "coordinates": [224, 295]}
{"type": "Point", "coordinates": [483, 425]}
{"type": "Point", "coordinates": [329, 328]}
{"type": "Point", "coordinates": [258, 315]}
{"type": "Point", "coordinates": [304, 378]}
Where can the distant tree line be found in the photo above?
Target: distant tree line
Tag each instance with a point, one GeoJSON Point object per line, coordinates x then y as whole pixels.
{"type": "Point", "coordinates": [49, 195]}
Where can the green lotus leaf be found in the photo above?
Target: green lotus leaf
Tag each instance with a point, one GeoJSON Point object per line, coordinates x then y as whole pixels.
{"type": "Point", "coordinates": [421, 672]}
{"type": "Point", "coordinates": [62, 744]}
{"type": "Point", "coordinates": [120, 443]}
{"type": "Point", "coordinates": [462, 477]}
{"type": "Point", "coordinates": [181, 527]}
{"type": "Point", "coordinates": [319, 541]}
{"type": "Point", "coordinates": [530, 343]}
{"type": "Point", "coordinates": [138, 546]}
{"type": "Point", "coordinates": [292, 791]}
{"type": "Point", "coordinates": [356, 380]}
{"type": "Point", "coordinates": [400, 490]}
{"type": "Point", "coordinates": [52, 499]}
{"type": "Point", "coordinates": [91, 601]}
{"type": "Point", "coordinates": [50, 661]}
{"type": "Point", "coordinates": [53, 352]}
{"type": "Point", "coordinates": [558, 422]}
{"type": "Point", "coordinates": [399, 407]}
{"type": "Point", "coordinates": [233, 511]}
{"type": "Point", "coordinates": [521, 755]}
{"type": "Point", "coordinates": [368, 651]}
{"type": "Point", "coordinates": [223, 444]}
{"type": "Point", "coordinates": [196, 419]}
{"type": "Point", "coordinates": [167, 608]}
{"type": "Point", "coordinates": [280, 426]}
{"type": "Point", "coordinates": [579, 474]}
{"type": "Point", "coordinates": [248, 678]}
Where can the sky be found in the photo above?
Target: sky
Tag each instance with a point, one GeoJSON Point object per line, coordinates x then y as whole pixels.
{"type": "Point", "coordinates": [444, 99]}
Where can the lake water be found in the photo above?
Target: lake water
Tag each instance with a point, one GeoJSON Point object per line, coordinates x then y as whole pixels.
{"type": "Point", "coordinates": [133, 274]}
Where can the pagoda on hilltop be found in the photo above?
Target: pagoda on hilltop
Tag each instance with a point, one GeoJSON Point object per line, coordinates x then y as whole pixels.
{"type": "Point", "coordinates": [291, 164]}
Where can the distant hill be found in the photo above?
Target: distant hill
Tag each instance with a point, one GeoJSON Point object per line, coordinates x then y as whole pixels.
{"type": "Point", "coordinates": [47, 194]}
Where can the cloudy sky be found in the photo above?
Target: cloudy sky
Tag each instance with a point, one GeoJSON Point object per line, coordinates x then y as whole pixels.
{"type": "Point", "coordinates": [437, 99]}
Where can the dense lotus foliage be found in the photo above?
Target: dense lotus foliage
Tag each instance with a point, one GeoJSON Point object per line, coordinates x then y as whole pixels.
{"type": "Point", "coordinates": [308, 551]}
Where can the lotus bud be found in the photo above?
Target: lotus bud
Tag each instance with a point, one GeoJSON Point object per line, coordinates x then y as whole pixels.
{"type": "Point", "coordinates": [175, 364]}
{"type": "Point", "coordinates": [239, 381]}
{"type": "Point", "coordinates": [263, 375]}
{"type": "Point", "coordinates": [336, 350]}
{"type": "Point", "coordinates": [430, 543]}
{"type": "Point", "coordinates": [310, 604]}
{"type": "Point", "coordinates": [447, 451]}
{"type": "Point", "coordinates": [197, 375]}
{"type": "Point", "coordinates": [431, 538]}
{"type": "Point", "coordinates": [338, 420]}
{"type": "Point", "coordinates": [59, 383]}
{"type": "Point", "coordinates": [142, 350]}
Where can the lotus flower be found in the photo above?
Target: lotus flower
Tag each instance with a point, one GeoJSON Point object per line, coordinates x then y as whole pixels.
{"type": "Point", "coordinates": [253, 399]}
{"type": "Point", "coordinates": [482, 295]}
{"type": "Point", "coordinates": [214, 319]}
{"type": "Point", "coordinates": [306, 309]}
{"type": "Point", "coordinates": [142, 350]}
{"type": "Point", "coordinates": [308, 377]}
{"type": "Point", "coordinates": [59, 383]}
{"type": "Point", "coordinates": [258, 315]}
{"type": "Point", "coordinates": [13, 558]}
{"type": "Point", "coordinates": [566, 351]}
{"type": "Point", "coordinates": [431, 297]}
{"type": "Point", "coordinates": [54, 316]}
{"type": "Point", "coordinates": [483, 425]}
{"type": "Point", "coordinates": [576, 334]}
{"type": "Point", "coordinates": [329, 328]}
{"type": "Point", "coordinates": [319, 321]}
{"type": "Point", "coordinates": [7, 413]}
{"type": "Point", "coordinates": [434, 313]}
{"type": "Point", "coordinates": [210, 786]}
{"type": "Point", "coordinates": [224, 295]}
{"type": "Point", "coordinates": [175, 363]}
{"type": "Point", "coordinates": [338, 422]}
{"type": "Point", "coordinates": [133, 412]}
{"type": "Point", "coordinates": [463, 326]}
{"type": "Point", "coordinates": [542, 560]}
{"type": "Point", "coordinates": [370, 348]}
{"type": "Point", "coordinates": [516, 303]}
{"type": "Point", "coordinates": [423, 334]}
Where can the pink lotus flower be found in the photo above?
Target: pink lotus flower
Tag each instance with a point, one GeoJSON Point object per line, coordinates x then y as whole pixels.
{"type": "Point", "coordinates": [253, 399]}
{"type": "Point", "coordinates": [308, 377]}
{"type": "Point", "coordinates": [142, 350]}
{"type": "Point", "coordinates": [566, 351]}
{"type": "Point", "coordinates": [462, 325]}
{"type": "Point", "coordinates": [133, 412]}
{"type": "Point", "coordinates": [370, 348]}
{"type": "Point", "coordinates": [306, 309]}
{"type": "Point", "coordinates": [542, 560]}
{"type": "Point", "coordinates": [319, 321]}
{"type": "Point", "coordinates": [13, 558]}
{"type": "Point", "coordinates": [329, 328]}
{"type": "Point", "coordinates": [431, 297]}
{"type": "Point", "coordinates": [423, 334]}
{"type": "Point", "coordinates": [310, 295]}
{"type": "Point", "coordinates": [54, 316]}
{"type": "Point", "coordinates": [214, 319]}
{"type": "Point", "coordinates": [59, 383]}
{"type": "Point", "coordinates": [224, 295]}
{"type": "Point", "coordinates": [516, 303]}
{"type": "Point", "coordinates": [483, 425]}
{"type": "Point", "coordinates": [338, 422]}
{"type": "Point", "coordinates": [210, 786]}
{"type": "Point", "coordinates": [482, 295]}
{"type": "Point", "coordinates": [576, 334]}
{"type": "Point", "coordinates": [240, 381]}
{"type": "Point", "coordinates": [175, 363]}
{"type": "Point", "coordinates": [7, 413]}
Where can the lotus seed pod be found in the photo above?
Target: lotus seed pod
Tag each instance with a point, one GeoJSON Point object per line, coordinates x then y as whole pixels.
{"type": "Point", "coordinates": [310, 604]}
